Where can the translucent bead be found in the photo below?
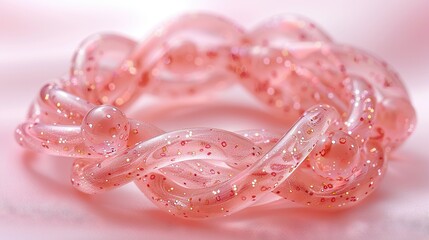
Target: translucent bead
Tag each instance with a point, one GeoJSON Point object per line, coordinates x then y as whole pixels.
{"type": "Point", "coordinates": [105, 129]}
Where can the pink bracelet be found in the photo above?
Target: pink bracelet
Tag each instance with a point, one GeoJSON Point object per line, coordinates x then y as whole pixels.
{"type": "Point", "coordinates": [352, 110]}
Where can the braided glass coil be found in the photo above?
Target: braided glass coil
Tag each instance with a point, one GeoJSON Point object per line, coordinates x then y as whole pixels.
{"type": "Point", "coordinates": [351, 110]}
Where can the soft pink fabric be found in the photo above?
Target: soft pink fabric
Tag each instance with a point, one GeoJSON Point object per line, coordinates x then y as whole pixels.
{"type": "Point", "coordinates": [353, 227]}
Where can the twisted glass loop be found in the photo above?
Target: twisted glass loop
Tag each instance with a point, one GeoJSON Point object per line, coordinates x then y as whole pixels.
{"type": "Point", "coordinates": [352, 110]}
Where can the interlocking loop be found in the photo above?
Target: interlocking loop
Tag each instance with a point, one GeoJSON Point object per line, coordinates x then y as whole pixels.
{"type": "Point", "coordinates": [352, 110]}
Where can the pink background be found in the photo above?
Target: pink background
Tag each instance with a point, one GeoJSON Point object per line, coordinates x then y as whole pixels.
{"type": "Point", "coordinates": [37, 201]}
